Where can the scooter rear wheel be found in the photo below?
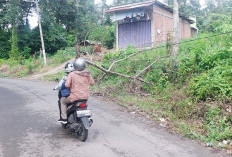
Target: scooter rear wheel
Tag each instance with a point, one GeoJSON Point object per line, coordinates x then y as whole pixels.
{"type": "Point", "coordinates": [63, 125]}
{"type": "Point", "coordinates": [83, 135]}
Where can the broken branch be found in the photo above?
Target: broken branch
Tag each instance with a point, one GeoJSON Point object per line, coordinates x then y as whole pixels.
{"type": "Point", "coordinates": [137, 75]}
{"type": "Point", "coordinates": [115, 73]}
{"type": "Point", "coordinates": [133, 54]}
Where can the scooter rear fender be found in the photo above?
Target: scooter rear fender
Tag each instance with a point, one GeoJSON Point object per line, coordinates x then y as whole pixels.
{"type": "Point", "coordinates": [87, 122]}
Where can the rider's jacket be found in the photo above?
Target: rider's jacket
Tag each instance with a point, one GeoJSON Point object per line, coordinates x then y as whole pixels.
{"type": "Point", "coordinates": [78, 82]}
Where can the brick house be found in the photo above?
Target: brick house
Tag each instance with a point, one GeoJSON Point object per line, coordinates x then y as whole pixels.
{"type": "Point", "coordinates": [146, 24]}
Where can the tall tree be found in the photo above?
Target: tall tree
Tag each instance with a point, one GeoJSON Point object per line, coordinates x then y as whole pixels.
{"type": "Point", "coordinates": [14, 16]}
{"type": "Point", "coordinates": [14, 52]}
{"type": "Point", "coordinates": [76, 4]}
{"type": "Point", "coordinates": [5, 44]}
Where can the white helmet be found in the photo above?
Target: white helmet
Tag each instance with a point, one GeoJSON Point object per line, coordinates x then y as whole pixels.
{"type": "Point", "coordinates": [69, 67]}
{"type": "Point", "coordinates": [79, 64]}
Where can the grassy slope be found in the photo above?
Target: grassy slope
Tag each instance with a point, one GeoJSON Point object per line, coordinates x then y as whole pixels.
{"type": "Point", "coordinates": [191, 96]}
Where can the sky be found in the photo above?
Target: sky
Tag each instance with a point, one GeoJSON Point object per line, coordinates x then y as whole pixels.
{"type": "Point", "coordinates": [107, 1]}
{"type": "Point", "coordinates": [33, 19]}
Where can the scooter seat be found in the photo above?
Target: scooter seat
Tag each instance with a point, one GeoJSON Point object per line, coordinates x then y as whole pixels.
{"type": "Point", "coordinates": [78, 101]}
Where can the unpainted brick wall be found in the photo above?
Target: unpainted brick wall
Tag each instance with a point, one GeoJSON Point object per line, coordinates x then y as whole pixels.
{"type": "Point", "coordinates": [163, 25]}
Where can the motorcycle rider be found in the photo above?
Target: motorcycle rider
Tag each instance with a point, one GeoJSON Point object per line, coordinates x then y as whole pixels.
{"type": "Point", "coordinates": [68, 68]}
{"type": "Point", "coordinates": [78, 81]}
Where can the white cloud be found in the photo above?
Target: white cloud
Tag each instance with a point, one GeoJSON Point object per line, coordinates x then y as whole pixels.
{"type": "Point", "coordinates": [107, 1]}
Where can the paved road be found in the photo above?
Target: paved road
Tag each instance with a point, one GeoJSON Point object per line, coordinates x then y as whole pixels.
{"type": "Point", "coordinates": [28, 127]}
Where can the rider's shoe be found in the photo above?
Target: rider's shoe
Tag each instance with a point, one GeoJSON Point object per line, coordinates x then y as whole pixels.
{"type": "Point", "coordinates": [64, 121]}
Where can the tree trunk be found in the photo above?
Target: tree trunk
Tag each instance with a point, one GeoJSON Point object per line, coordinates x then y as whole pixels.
{"type": "Point", "coordinates": [176, 34]}
{"type": "Point", "coordinates": [41, 33]}
{"type": "Point", "coordinates": [14, 54]}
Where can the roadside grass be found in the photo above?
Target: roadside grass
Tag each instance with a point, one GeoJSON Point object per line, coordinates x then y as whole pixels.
{"type": "Point", "coordinates": [61, 56]}
{"type": "Point", "coordinates": [54, 77]}
{"type": "Point", "coordinates": [179, 114]}
{"type": "Point", "coordinates": [2, 75]}
{"type": "Point", "coordinates": [30, 66]}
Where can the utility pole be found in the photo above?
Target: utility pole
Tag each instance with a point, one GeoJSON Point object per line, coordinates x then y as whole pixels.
{"type": "Point", "coordinates": [176, 34]}
{"type": "Point", "coordinates": [40, 30]}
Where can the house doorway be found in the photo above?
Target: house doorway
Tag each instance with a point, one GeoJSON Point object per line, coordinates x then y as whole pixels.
{"type": "Point", "coordinates": [137, 34]}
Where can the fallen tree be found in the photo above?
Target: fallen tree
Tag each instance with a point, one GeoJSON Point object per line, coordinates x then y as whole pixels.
{"type": "Point", "coordinates": [134, 77]}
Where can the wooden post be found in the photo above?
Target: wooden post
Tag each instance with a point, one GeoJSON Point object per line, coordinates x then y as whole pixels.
{"type": "Point", "coordinates": [168, 44]}
{"type": "Point", "coordinates": [41, 33]}
{"type": "Point", "coordinates": [77, 51]}
{"type": "Point", "coordinates": [40, 53]}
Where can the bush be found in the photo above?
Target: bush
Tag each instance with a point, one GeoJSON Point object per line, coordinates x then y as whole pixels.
{"type": "Point", "coordinates": [211, 85]}
{"type": "Point", "coordinates": [61, 56]}
{"type": "Point", "coordinates": [217, 125]}
{"type": "Point", "coordinates": [105, 35]}
{"type": "Point", "coordinates": [216, 22]}
{"type": "Point", "coordinates": [5, 44]}
{"type": "Point", "coordinates": [88, 49]}
{"type": "Point", "coordinates": [208, 64]}
{"type": "Point", "coordinates": [216, 76]}
{"type": "Point", "coordinates": [26, 52]}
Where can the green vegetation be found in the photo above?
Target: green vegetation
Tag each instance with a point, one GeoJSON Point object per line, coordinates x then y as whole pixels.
{"type": "Point", "coordinates": [106, 35]}
{"type": "Point", "coordinates": [58, 25]}
{"type": "Point", "coordinates": [54, 77]}
{"type": "Point", "coordinates": [27, 67]}
{"type": "Point", "coordinates": [190, 94]}
{"type": "Point", "coordinates": [193, 93]}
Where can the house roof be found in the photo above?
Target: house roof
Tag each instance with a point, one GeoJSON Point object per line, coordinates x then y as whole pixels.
{"type": "Point", "coordinates": [130, 6]}
{"type": "Point", "coordinates": [144, 4]}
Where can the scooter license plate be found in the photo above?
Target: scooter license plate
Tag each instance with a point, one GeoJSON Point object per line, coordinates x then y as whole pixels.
{"type": "Point", "coordinates": [84, 113]}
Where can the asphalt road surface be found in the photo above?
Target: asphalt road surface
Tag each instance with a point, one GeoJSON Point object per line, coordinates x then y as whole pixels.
{"type": "Point", "coordinates": [29, 128]}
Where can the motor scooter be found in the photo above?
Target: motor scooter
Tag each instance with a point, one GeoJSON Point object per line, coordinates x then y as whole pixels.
{"type": "Point", "coordinates": [79, 118]}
